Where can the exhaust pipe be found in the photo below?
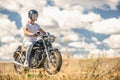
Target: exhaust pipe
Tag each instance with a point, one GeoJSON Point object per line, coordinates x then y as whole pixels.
{"type": "Point", "coordinates": [15, 62]}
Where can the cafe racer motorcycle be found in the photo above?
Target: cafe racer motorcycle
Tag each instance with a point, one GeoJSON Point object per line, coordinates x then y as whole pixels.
{"type": "Point", "coordinates": [42, 55]}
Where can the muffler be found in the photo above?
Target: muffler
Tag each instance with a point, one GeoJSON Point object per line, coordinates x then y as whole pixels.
{"type": "Point", "coordinates": [15, 62]}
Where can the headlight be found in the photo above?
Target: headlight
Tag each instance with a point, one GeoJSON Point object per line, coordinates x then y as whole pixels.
{"type": "Point", "coordinates": [51, 38]}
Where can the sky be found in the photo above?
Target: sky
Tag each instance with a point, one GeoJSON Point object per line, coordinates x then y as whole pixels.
{"type": "Point", "coordinates": [83, 28]}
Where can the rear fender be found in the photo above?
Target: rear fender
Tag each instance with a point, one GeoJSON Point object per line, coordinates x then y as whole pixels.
{"type": "Point", "coordinates": [16, 53]}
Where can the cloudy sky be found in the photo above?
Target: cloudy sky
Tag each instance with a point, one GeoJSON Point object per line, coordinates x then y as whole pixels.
{"type": "Point", "coordinates": [83, 27]}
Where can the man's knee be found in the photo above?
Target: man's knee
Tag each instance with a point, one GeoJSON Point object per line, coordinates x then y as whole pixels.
{"type": "Point", "coordinates": [28, 44]}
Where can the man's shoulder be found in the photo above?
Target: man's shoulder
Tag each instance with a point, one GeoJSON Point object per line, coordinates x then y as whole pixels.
{"type": "Point", "coordinates": [37, 24]}
{"type": "Point", "coordinates": [27, 24]}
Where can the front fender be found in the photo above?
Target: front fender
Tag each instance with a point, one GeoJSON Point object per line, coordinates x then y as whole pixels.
{"type": "Point", "coordinates": [52, 49]}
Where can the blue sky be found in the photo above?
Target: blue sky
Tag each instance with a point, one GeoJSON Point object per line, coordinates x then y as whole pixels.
{"type": "Point", "coordinates": [14, 16]}
{"type": "Point", "coordinates": [108, 13]}
{"type": "Point", "coordinates": [91, 27]}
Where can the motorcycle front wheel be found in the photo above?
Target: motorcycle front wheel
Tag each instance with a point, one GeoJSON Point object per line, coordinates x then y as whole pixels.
{"type": "Point", "coordinates": [54, 65]}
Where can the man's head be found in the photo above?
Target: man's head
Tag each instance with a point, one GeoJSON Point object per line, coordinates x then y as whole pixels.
{"type": "Point", "coordinates": [33, 15]}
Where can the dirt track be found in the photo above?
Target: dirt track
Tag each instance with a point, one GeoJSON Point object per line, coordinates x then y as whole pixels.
{"type": "Point", "coordinates": [73, 66]}
{"type": "Point", "coordinates": [72, 69]}
{"type": "Point", "coordinates": [6, 67]}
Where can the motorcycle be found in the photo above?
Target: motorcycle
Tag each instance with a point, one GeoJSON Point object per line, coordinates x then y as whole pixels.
{"type": "Point", "coordinates": [42, 55]}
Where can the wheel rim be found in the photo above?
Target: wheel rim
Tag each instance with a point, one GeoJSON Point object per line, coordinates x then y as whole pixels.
{"type": "Point", "coordinates": [51, 66]}
{"type": "Point", "coordinates": [18, 68]}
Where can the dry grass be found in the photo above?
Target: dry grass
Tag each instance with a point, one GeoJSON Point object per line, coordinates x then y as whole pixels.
{"type": "Point", "coordinates": [72, 69]}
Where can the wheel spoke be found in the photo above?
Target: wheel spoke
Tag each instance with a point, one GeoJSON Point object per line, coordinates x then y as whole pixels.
{"type": "Point", "coordinates": [53, 66]}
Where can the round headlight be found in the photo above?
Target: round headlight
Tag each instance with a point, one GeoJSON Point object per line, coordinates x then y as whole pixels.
{"type": "Point", "coordinates": [51, 38]}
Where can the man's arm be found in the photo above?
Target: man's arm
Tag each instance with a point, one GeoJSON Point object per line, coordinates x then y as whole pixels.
{"type": "Point", "coordinates": [42, 31]}
{"type": "Point", "coordinates": [27, 33]}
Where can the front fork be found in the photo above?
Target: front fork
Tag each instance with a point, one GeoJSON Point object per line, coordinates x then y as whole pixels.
{"type": "Point", "coordinates": [46, 50]}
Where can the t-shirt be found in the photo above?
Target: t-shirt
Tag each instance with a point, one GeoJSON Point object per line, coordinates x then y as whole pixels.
{"type": "Point", "coordinates": [34, 29]}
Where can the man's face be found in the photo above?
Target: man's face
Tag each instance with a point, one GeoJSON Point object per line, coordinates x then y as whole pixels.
{"type": "Point", "coordinates": [34, 17]}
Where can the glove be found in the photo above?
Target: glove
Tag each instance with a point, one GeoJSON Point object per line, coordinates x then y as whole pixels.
{"type": "Point", "coordinates": [34, 35]}
{"type": "Point", "coordinates": [47, 34]}
{"type": "Point", "coordinates": [38, 33]}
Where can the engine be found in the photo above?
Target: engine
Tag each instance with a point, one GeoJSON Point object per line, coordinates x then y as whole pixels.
{"type": "Point", "coordinates": [36, 57]}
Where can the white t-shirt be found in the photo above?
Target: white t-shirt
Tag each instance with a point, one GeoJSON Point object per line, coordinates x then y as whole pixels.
{"type": "Point", "coordinates": [31, 28]}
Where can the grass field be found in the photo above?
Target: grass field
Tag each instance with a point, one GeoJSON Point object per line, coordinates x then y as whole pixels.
{"type": "Point", "coordinates": [72, 69]}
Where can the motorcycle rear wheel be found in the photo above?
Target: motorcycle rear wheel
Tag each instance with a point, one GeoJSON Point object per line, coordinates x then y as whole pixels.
{"type": "Point", "coordinates": [19, 69]}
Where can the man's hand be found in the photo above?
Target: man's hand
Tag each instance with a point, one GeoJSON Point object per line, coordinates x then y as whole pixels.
{"type": "Point", "coordinates": [33, 35]}
{"type": "Point", "coordinates": [47, 34]}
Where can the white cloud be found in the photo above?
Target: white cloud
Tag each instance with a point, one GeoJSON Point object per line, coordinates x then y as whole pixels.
{"type": "Point", "coordinates": [76, 44]}
{"type": "Point", "coordinates": [47, 22]}
{"type": "Point", "coordinates": [8, 39]}
{"type": "Point", "coordinates": [113, 4]}
{"type": "Point", "coordinates": [7, 50]}
{"type": "Point", "coordinates": [112, 52]}
{"type": "Point", "coordinates": [79, 56]}
{"type": "Point", "coordinates": [9, 4]}
{"type": "Point", "coordinates": [113, 41]}
{"type": "Point", "coordinates": [6, 26]}
{"type": "Point", "coordinates": [71, 17]}
{"type": "Point", "coordinates": [104, 53]}
{"type": "Point", "coordinates": [95, 40]}
{"type": "Point", "coordinates": [89, 4]}
{"type": "Point", "coordinates": [82, 45]}
{"type": "Point", "coordinates": [8, 31]}
{"type": "Point", "coordinates": [57, 45]}
{"type": "Point", "coordinates": [70, 37]}
{"type": "Point", "coordinates": [107, 26]}
{"type": "Point", "coordinates": [24, 5]}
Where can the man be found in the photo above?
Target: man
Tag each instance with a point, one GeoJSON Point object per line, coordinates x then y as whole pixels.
{"type": "Point", "coordinates": [30, 31]}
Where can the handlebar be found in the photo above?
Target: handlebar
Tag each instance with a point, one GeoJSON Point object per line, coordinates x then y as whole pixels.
{"type": "Point", "coordinates": [39, 34]}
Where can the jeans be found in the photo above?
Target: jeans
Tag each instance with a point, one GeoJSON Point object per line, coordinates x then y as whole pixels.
{"type": "Point", "coordinates": [29, 46]}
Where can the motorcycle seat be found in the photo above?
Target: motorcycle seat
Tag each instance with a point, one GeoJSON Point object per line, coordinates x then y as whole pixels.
{"type": "Point", "coordinates": [23, 48]}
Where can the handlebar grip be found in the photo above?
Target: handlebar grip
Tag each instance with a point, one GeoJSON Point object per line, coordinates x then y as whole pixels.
{"type": "Point", "coordinates": [47, 34]}
{"type": "Point", "coordinates": [38, 33]}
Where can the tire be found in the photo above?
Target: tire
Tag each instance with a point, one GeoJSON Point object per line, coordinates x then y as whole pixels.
{"type": "Point", "coordinates": [56, 64]}
{"type": "Point", "coordinates": [19, 69]}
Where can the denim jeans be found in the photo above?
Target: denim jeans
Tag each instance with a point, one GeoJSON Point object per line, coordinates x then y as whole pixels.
{"type": "Point", "coordinates": [29, 46]}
